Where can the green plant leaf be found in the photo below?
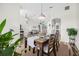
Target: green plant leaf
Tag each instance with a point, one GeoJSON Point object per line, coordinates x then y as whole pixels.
{"type": "Point", "coordinates": [16, 43]}
{"type": "Point", "coordinates": [8, 51]}
{"type": "Point", "coordinates": [5, 48]}
{"type": "Point", "coordinates": [72, 31]}
{"type": "Point", "coordinates": [2, 25]}
{"type": "Point", "coordinates": [6, 37]}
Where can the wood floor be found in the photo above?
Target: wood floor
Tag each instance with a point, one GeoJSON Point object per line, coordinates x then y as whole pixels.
{"type": "Point", "coordinates": [63, 51]}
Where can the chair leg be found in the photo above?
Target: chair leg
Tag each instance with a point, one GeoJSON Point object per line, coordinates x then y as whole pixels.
{"type": "Point", "coordinates": [48, 54]}
{"type": "Point", "coordinates": [29, 48]}
{"type": "Point", "coordinates": [37, 52]}
{"type": "Point", "coordinates": [57, 46]}
{"type": "Point", "coordinates": [69, 53]}
{"type": "Point", "coordinates": [34, 50]}
{"type": "Point", "coordinates": [25, 51]}
{"type": "Point", "coordinates": [54, 51]}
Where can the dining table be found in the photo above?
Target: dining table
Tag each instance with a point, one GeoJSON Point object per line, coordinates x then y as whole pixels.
{"type": "Point", "coordinates": [37, 42]}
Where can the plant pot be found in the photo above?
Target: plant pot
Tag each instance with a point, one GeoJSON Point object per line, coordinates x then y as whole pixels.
{"type": "Point", "coordinates": [72, 39]}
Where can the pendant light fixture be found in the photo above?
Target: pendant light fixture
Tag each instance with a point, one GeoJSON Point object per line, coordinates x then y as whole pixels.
{"type": "Point", "coordinates": [42, 16]}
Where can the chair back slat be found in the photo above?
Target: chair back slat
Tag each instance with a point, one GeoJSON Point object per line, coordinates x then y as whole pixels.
{"type": "Point", "coordinates": [51, 43]}
{"type": "Point", "coordinates": [57, 34]}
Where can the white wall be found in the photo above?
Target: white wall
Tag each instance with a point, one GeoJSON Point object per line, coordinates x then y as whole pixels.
{"type": "Point", "coordinates": [77, 39]}
{"type": "Point", "coordinates": [68, 20]}
{"type": "Point", "coordinates": [11, 13]}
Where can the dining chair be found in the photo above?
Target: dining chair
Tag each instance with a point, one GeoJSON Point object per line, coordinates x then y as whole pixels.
{"type": "Point", "coordinates": [31, 43]}
{"type": "Point", "coordinates": [50, 47]}
{"type": "Point", "coordinates": [24, 51]}
{"type": "Point", "coordinates": [57, 40]}
{"type": "Point", "coordinates": [74, 49]}
{"type": "Point", "coordinates": [26, 43]}
{"type": "Point", "coordinates": [17, 54]}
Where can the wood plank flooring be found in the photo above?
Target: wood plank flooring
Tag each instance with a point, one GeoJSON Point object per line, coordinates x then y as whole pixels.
{"type": "Point", "coordinates": [63, 51]}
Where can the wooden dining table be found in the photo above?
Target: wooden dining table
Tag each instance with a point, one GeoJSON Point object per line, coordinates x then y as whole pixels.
{"type": "Point", "coordinates": [40, 44]}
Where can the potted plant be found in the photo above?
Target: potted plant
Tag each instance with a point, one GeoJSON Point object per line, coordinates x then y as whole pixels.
{"type": "Point", "coordinates": [7, 49]}
{"type": "Point", "coordinates": [72, 32]}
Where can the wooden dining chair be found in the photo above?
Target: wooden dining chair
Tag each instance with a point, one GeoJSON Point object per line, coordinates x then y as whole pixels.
{"type": "Point", "coordinates": [50, 47]}
{"type": "Point", "coordinates": [57, 40]}
{"type": "Point", "coordinates": [74, 50]}
{"type": "Point", "coordinates": [24, 51]}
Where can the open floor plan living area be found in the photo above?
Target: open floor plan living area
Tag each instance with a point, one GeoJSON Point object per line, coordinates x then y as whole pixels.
{"type": "Point", "coordinates": [39, 29]}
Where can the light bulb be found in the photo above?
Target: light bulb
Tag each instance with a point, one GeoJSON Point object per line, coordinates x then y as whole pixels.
{"type": "Point", "coordinates": [42, 16]}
